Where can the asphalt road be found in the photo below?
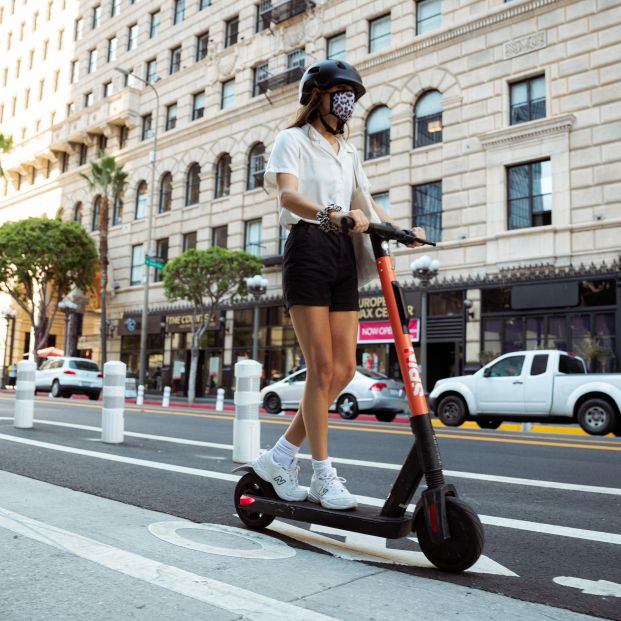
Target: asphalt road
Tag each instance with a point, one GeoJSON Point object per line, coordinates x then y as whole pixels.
{"type": "Point", "coordinates": [550, 504]}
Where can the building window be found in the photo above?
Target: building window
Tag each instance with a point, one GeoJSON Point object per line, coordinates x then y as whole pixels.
{"type": "Point", "coordinates": [123, 136]}
{"type": "Point", "coordinates": [102, 143]}
{"type": "Point", "coordinates": [70, 107]}
{"type": "Point", "coordinates": [263, 19]}
{"type": "Point", "coordinates": [428, 119]}
{"type": "Point", "coordinates": [141, 201]}
{"type": "Point", "coordinates": [147, 127]}
{"type": "Point", "coordinates": [252, 237]}
{"type": "Point", "coordinates": [223, 176]}
{"type": "Point", "coordinates": [203, 4]}
{"type": "Point", "coordinates": [106, 90]}
{"type": "Point", "coordinates": [92, 61]}
{"type": "Point", "coordinates": [260, 73]}
{"type": "Point", "coordinates": [161, 251]}
{"type": "Point", "coordinates": [112, 45]}
{"type": "Point", "coordinates": [74, 71]}
{"type": "Point", "coordinates": [117, 211]}
{"type": "Point", "coordinates": [171, 116]}
{"type": "Point", "coordinates": [189, 241]}
{"type": "Point", "coordinates": [198, 106]}
{"type": "Point", "coordinates": [528, 100]}
{"type": "Point", "coordinates": [383, 200]}
{"type": "Point", "coordinates": [96, 22]}
{"type": "Point", "coordinates": [151, 71]}
{"type": "Point", "coordinates": [428, 16]}
{"type": "Point", "coordinates": [378, 133]}
{"type": "Point", "coordinates": [128, 78]}
{"type": "Point", "coordinates": [232, 30]}
{"type": "Point", "coordinates": [135, 277]}
{"type": "Point", "coordinates": [88, 99]}
{"type": "Point", "coordinates": [379, 34]}
{"type": "Point", "coordinates": [193, 185]}
{"type": "Point", "coordinates": [283, 233]}
{"type": "Point", "coordinates": [83, 154]}
{"type": "Point", "coordinates": [96, 211]}
{"type": "Point", "coordinates": [175, 59]}
{"type": "Point", "coordinates": [256, 167]}
{"type": "Point", "coordinates": [78, 29]}
{"type": "Point", "coordinates": [202, 41]}
{"type": "Point", "coordinates": [427, 209]}
{"type": "Point", "coordinates": [77, 212]}
{"type": "Point", "coordinates": [132, 37]}
{"type": "Point", "coordinates": [179, 13]}
{"type": "Point", "coordinates": [154, 24]}
{"type": "Point", "coordinates": [336, 47]}
{"type": "Point", "coordinates": [219, 236]}
{"type": "Point", "coordinates": [530, 194]}
{"type": "Point", "coordinates": [296, 58]}
{"type": "Point", "coordinates": [228, 94]}
{"type": "Point", "coordinates": [115, 9]}
{"type": "Point", "coordinates": [165, 201]}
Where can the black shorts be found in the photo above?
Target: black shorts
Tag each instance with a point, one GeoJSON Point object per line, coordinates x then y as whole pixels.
{"type": "Point", "coordinates": [319, 269]}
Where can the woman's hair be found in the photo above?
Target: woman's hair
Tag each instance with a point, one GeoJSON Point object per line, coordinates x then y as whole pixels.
{"type": "Point", "coordinates": [309, 112]}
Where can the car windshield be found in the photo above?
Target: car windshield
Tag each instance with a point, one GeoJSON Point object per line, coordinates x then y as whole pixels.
{"type": "Point", "coordinates": [83, 365]}
{"type": "Point", "coordinates": [371, 374]}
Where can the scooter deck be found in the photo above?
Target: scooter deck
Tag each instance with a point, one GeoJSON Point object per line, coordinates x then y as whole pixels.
{"type": "Point", "coordinates": [366, 520]}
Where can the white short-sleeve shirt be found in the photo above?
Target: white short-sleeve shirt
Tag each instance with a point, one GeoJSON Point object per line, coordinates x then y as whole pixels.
{"type": "Point", "coordinates": [323, 175]}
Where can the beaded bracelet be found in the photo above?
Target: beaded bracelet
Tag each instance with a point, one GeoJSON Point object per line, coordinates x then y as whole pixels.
{"type": "Point", "coordinates": [323, 217]}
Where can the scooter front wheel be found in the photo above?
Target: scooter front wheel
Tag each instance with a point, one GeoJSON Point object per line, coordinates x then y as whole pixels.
{"type": "Point", "coordinates": [463, 548]}
{"type": "Point", "coordinates": [252, 484]}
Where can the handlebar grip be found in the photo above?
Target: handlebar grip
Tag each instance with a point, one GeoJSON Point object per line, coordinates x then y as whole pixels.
{"type": "Point", "coordinates": [385, 230]}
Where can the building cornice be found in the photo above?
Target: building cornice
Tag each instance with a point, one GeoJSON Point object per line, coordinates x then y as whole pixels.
{"type": "Point", "coordinates": [527, 131]}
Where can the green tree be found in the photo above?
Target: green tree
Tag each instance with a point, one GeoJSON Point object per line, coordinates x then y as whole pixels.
{"type": "Point", "coordinates": [40, 260]}
{"type": "Point", "coordinates": [6, 144]}
{"type": "Point", "coordinates": [108, 180]}
{"type": "Point", "coordinates": [205, 278]}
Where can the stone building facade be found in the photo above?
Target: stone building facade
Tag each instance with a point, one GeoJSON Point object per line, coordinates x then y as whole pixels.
{"type": "Point", "coordinates": [497, 125]}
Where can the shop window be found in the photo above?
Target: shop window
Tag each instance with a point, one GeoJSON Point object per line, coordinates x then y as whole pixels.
{"type": "Point", "coordinates": [377, 143]}
{"type": "Point", "coordinates": [598, 293]}
{"type": "Point", "coordinates": [495, 300]}
{"type": "Point", "coordinates": [530, 194]}
{"type": "Point", "coordinates": [427, 209]}
{"type": "Point", "coordinates": [528, 100]}
{"type": "Point", "coordinates": [445, 303]}
{"type": "Point", "coordinates": [428, 119]}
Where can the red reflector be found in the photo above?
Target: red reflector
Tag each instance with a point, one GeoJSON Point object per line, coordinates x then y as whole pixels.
{"type": "Point", "coordinates": [434, 519]}
{"type": "Point", "coordinates": [244, 501]}
{"type": "Point", "coordinates": [99, 374]}
{"type": "Point", "coordinates": [69, 372]}
{"type": "Point", "coordinates": [379, 386]}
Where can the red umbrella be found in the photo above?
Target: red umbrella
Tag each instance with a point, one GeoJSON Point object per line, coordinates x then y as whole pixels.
{"type": "Point", "coordinates": [50, 352]}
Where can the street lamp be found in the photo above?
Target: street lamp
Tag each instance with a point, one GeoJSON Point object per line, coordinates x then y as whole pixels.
{"type": "Point", "coordinates": [151, 208]}
{"type": "Point", "coordinates": [257, 285]}
{"type": "Point", "coordinates": [9, 315]}
{"type": "Point", "coordinates": [424, 269]}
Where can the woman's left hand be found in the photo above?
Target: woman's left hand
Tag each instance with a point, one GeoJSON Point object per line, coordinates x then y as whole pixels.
{"type": "Point", "coordinates": [419, 232]}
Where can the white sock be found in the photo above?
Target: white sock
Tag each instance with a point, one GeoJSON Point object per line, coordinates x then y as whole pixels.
{"type": "Point", "coordinates": [322, 468]}
{"type": "Point", "coordinates": [284, 453]}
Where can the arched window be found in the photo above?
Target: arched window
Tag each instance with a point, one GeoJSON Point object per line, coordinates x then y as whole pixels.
{"type": "Point", "coordinates": [223, 176]}
{"type": "Point", "coordinates": [77, 213]}
{"type": "Point", "coordinates": [165, 193]}
{"type": "Point", "coordinates": [256, 166]}
{"type": "Point", "coordinates": [117, 211]}
{"type": "Point", "coordinates": [193, 185]}
{"type": "Point", "coordinates": [428, 119]}
{"type": "Point", "coordinates": [141, 200]}
{"type": "Point", "coordinates": [60, 213]}
{"type": "Point", "coordinates": [378, 133]}
{"type": "Point", "coordinates": [96, 210]}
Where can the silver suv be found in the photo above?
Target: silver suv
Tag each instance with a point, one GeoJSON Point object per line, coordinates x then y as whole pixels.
{"type": "Point", "coordinates": [64, 376]}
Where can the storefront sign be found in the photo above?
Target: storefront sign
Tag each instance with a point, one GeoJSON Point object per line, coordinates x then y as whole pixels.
{"type": "Point", "coordinates": [381, 332]}
{"type": "Point", "coordinates": [374, 307]}
{"type": "Point", "coordinates": [183, 323]}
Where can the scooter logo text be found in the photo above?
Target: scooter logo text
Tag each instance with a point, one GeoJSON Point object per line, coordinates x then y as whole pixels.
{"type": "Point", "coordinates": [413, 372]}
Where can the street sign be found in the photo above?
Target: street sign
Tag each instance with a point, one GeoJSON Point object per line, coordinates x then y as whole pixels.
{"type": "Point", "coordinates": [156, 262]}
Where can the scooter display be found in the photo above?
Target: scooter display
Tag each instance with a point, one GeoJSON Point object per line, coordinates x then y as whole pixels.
{"type": "Point", "coordinates": [449, 532]}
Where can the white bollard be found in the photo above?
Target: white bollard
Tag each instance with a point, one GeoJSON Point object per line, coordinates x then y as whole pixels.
{"type": "Point", "coordinates": [220, 400]}
{"type": "Point", "coordinates": [112, 413]}
{"type": "Point", "coordinates": [24, 394]}
{"type": "Point", "coordinates": [247, 427]}
{"type": "Point", "coordinates": [140, 395]}
{"type": "Point", "coordinates": [166, 397]}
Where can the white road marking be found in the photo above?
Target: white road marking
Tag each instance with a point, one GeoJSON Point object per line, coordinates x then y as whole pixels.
{"type": "Point", "coordinates": [573, 487]}
{"type": "Point", "coordinates": [537, 527]}
{"type": "Point", "coordinates": [603, 588]}
{"type": "Point", "coordinates": [218, 594]}
{"type": "Point", "coordinates": [270, 549]}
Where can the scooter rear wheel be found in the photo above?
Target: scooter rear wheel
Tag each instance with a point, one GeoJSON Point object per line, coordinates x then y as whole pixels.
{"type": "Point", "coordinates": [252, 484]}
{"type": "Point", "coordinates": [465, 545]}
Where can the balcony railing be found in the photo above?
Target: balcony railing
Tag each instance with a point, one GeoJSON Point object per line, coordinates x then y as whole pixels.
{"type": "Point", "coordinates": [277, 12]}
{"type": "Point", "coordinates": [278, 80]}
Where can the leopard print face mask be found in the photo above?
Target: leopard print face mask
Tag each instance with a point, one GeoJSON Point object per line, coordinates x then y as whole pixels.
{"type": "Point", "coordinates": [342, 104]}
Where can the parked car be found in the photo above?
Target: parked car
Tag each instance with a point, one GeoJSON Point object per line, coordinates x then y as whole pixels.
{"type": "Point", "coordinates": [64, 376]}
{"type": "Point", "coordinates": [538, 386]}
{"type": "Point", "coordinates": [368, 391]}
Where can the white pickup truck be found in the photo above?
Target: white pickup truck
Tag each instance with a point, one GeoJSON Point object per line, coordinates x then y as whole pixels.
{"type": "Point", "coordinates": [539, 386]}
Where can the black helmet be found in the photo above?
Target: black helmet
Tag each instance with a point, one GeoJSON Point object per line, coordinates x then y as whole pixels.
{"type": "Point", "coordinates": [327, 73]}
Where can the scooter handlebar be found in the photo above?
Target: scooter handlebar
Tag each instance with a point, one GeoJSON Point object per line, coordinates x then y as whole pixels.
{"type": "Point", "coordinates": [385, 230]}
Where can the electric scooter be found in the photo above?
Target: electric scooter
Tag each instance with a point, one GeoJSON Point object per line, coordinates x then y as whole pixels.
{"type": "Point", "coordinates": [449, 532]}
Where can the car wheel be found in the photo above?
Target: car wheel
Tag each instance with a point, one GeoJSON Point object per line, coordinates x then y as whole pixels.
{"type": "Point", "coordinates": [347, 407]}
{"type": "Point", "coordinates": [94, 396]}
{"type": "Point", "coordinates": [489, 423]}
{"type": "Point", "coordinates": [597, 417]}
{"type": "Point", "coordinates": [55, 390]}
{"type": "Point", "coordinates": [385, 417]}
{"type": "Point", "coordinates": [272, 403]}
{"type": "Point", "coordinates": [452, 411]}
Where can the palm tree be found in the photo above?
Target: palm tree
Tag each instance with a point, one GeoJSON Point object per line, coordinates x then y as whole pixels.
{"type": "Point", "coordinates": [6, 144]}
{"type": "Point", "coordinates": [109, 180]}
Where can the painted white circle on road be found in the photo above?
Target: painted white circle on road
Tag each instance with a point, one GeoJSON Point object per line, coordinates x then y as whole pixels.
{"type": "Point", "coordinates": [270, 548]}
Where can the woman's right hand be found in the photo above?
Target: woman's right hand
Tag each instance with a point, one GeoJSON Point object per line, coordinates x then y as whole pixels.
{"type": "Point", "coordinates": [361, 222]}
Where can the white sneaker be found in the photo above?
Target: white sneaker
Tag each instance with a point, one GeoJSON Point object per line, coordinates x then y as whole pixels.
{"type": "Point", "coordinates": [283, 480]}
{"type": "Point", "coordinates": [331, 492]}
